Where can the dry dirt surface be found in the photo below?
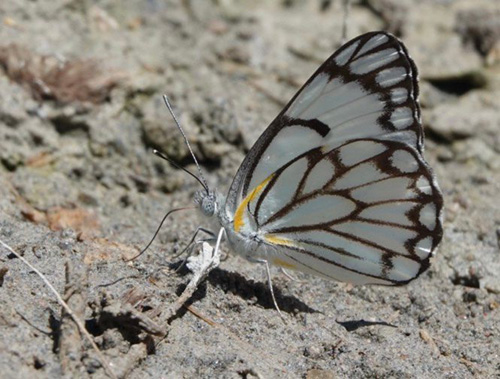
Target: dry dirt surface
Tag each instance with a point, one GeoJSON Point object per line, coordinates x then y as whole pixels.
{"type": "Point", "coordinates": [81, 193]}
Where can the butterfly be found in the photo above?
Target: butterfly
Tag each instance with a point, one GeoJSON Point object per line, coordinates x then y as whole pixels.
{"type": "Point", "coordinates": [337, 185]}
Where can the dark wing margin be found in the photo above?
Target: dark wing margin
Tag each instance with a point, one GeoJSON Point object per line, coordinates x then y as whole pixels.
{"type": "Point", "coordinates": [366, 89]}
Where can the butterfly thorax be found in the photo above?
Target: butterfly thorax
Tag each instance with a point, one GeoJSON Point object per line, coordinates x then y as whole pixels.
{"type": "Point", "coordinates": [247, 243]}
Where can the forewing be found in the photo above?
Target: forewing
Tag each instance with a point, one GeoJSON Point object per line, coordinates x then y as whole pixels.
{"type": "Point", "coordinates": [366, 212]}
{"type": "Point", "coordinates": [367, 89]}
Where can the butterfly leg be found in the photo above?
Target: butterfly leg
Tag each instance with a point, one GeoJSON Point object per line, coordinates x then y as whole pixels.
{"type": "Point", "coordinates": [193, 238]}
{"type": "Point", "coordinates": [222, 231]}
{"type": "Point", "coordinates": [269, 282]}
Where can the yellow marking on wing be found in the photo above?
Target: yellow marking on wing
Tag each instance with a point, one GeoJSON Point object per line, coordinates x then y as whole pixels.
{"type": "Point", "coordinates": [324, 149]}
{"type": "Point", "coordinates": [238, 216]}
{"type": "Point", "coordinates": [272, 238]}
{"type": "Point", "coordinates": [281, 263]}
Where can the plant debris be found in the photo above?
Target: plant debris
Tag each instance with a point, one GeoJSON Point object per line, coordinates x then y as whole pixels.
{"type": "Point", "coordinates": [50, 78]}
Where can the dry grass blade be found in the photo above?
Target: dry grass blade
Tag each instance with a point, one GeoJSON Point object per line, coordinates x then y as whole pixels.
{"type": "Point", "coordinates": [201, 316]}
{"type": "Point", "coordinates": [102, 359]}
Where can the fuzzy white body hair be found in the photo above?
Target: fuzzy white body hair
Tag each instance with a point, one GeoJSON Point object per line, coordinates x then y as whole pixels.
{"type": "Point", "coordinates": [248, 243]}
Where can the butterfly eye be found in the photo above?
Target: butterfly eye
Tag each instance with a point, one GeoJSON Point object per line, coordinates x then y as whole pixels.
{"type": "Point", "coordinates": [208, 206]}
{"type": "Point", "coordinates": [206, 202]}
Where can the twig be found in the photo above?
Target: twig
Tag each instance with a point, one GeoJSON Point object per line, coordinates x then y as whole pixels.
{"type": "Point", "coordinates": [201, 316]}
{"type": "Point", "coordinates": [102, 359]}
{"type": "Point", "coordinates": [75, 293]}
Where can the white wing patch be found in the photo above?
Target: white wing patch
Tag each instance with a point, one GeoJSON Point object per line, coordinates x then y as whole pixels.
{"type": "Point", "coordinates": [359, 151]}
{"type": "Point", "coordinates": [372, 43]}
{"type": "Point", "coordinates": [428, 216]}
{"type": "Point", "coordinates": [359, 175]}
{"type": "Point", "coordinates": [343, 265]}
{"type": "Point", "coordinates": [394, 213]}
{"type": "Point", "coordinates": [424, 185]}
{"type": "Point", "coordinates": [390, 237]}
{"type": "Point", "coordinates": [423, 248]}
{"type": "Point", "coordinates": [286, 186]}
{"type": "Point", "coordinates": [369, 63]}
{"type": "Point", "coordinates": [345, 55]}
{"type": "Point", "coordinates": [402, 118]}
{"type": "Point", "coordinates": [399, 95]}
{"type": "Point", "coordinates": [307, 97]}
{"type": "Point", "coordinates": [402, 161]}
{"type": "Point", "coordinates": [340, 109]}
{"type": "Point", "coordinates": [283, 149]}
{"type": "Point", "coordinates": [389, 77]}
{"type": "Point", "coordinates": [407, 269]}
{"type": "Point", "coordinates": [311, 212]}
{"type": "Point", "coordinates": [392, 188]}
{"type": "Point", "coordinates": [319, 176]}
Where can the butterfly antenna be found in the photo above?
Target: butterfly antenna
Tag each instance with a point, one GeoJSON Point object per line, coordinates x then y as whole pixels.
{"type": "Point", "coordinates": [201, 179]}
{"type": "Point", "coordinates": [158, 230]}
{"type": "Point", "coordinates": [163, 156]}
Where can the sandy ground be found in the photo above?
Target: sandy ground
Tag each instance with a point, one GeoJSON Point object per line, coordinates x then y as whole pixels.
{"type": "Point", "coordinates": [80, 192]}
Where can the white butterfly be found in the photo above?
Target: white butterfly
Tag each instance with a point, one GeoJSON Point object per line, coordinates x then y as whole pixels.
{"type": "Point", "coordinates": [337, 185]}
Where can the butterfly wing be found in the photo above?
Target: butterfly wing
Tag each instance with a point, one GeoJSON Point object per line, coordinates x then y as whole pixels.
{"type": "Point", "coordinates": [337, 183]}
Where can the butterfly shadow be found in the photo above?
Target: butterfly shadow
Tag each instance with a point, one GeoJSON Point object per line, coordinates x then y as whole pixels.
{"type": "Point", "coordinates": [247, 289]}
{"type": "Point", "coordinates": [257, 292]}
{"type": "Point", "coordinates": [353, 325]}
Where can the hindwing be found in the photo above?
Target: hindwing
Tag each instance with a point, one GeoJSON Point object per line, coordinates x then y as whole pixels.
{"type": "Point", "coordinates": [366, 212]}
